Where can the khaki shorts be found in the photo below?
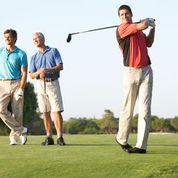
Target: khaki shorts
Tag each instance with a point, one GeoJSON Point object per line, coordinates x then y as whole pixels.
{"type": "Point", "coordinates": [49, 99]}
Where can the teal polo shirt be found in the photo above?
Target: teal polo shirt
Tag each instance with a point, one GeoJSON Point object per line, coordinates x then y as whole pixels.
{"type": "Point", "coordinates": [11, 63]}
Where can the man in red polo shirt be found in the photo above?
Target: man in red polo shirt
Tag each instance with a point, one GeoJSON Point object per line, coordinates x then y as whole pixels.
{"type": "Point", "coordinates": [138, 78]}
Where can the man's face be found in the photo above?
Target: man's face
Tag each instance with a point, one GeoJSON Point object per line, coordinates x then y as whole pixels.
{"type": "Point", "coordinates": [125, 16]}
{"type": "Point", "coordinates": [38, 42]}
{"type": "Point", "coordinates": [9, 39]}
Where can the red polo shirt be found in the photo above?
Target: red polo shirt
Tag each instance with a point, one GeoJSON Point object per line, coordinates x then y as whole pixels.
{"type": "Point", "coordinates": [133, 44]}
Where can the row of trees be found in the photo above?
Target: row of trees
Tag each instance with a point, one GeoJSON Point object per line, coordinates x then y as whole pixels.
{"type": "Point", "coordinates": [108, 124]}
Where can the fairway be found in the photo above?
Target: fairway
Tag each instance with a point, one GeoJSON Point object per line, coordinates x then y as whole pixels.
{"type": "Point", "coordinates": [89, 156]}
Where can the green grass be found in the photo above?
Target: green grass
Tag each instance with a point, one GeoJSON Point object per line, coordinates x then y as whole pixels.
{"type": "Point", "coordinates": [89, 156]}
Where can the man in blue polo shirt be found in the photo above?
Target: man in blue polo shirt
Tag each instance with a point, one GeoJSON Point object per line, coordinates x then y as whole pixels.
{"type": "Point", "coordinates": [13, 75]}
{"type": "Point", "coordinates": [45, 66]}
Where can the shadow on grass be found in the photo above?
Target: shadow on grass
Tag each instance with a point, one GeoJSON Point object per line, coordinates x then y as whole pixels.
{"type": "Point", "coordinates": [163, 149]}
{"type": "Point", "coordinates": [69, 144]}
{"type": "Point", "coordinates": [162, 145]}
{"type": "Point", "coordinates": [90, 144]}
{"type": "Point", "coordinates": [162, 152]}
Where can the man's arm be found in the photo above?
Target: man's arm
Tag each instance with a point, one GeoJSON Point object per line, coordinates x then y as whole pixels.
{"type": "Point", "coordinates": [38, 73]}
{"type": "Point", "coordinates": [24, 77]}
{"type": "Point", "coordinates": [56, 68]}
{"type": "Point", "coordinates": [150, 37]}
{"type": "Point", "coordinates": [142, 25]}
{"type": "Point", "coordinates": [41, 72]}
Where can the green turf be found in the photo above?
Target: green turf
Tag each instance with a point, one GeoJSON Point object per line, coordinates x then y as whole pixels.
{"type": "Point", "coordinates": [89, 156]}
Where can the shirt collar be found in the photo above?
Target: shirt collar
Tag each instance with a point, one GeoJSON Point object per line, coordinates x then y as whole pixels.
{"type": "Point", "coordinates": [5, 49]}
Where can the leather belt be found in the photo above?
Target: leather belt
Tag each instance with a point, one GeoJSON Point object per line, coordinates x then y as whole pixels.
{"type": "Point", "coordinates": [5, 79]}
{"type": "Point", "coordinates": [50, 79]}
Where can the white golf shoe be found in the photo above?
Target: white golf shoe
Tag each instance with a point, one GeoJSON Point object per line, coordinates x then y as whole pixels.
{"type": "Point", "coordinates": [23, 137]}
{"type": "Point", "coordinates": [13, 141]}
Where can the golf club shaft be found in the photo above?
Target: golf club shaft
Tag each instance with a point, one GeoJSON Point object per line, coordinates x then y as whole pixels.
{"type": "Point", "coordinates": [45, 95]}
{"type": "Point", "coordinates": [96, 29]}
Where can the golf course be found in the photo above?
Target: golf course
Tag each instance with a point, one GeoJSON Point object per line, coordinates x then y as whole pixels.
{"type": "Point", "coordinates": [89, 156]}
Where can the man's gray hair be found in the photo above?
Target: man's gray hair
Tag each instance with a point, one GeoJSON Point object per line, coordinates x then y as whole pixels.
{"type": "Point", "coordinates": [41, 35]}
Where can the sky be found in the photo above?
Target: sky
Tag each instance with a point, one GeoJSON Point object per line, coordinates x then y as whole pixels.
{"type": "Point", "coordinates": [92, 77]}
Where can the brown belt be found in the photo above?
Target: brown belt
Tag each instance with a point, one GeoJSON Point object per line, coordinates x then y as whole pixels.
{"type": "Point", "coordinates": [4, 79]}
{"type": "Point", "coordinates": [50, 79]}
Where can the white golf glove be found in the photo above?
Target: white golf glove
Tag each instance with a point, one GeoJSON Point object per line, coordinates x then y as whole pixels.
{"type": "Point", "coordinates": [19, 94]}
{"type": "Point", "coordinates": [151, 22]}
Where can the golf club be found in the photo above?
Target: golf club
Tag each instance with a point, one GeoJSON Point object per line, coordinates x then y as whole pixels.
{"type": "Point", "coordinates": [69, 37]}
{"type": "Point", "coordinates": [45, 95]}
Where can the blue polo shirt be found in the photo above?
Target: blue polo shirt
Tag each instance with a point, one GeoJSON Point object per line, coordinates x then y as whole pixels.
{"type": "Point", "coordinates": [50, 58]}
{"type": "Point", "coordinates": [11, 63]}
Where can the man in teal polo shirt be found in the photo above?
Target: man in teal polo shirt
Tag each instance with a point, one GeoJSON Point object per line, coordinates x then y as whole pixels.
{"type": "Point", "coordinates": [13, 76]}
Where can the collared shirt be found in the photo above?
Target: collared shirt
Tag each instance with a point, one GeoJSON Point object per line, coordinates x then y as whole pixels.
{"type": "Point", "coordinates": [133, 44]}
{"type": "Point", "coordinates": [50, 58]}
{"type": "Point", "coordinates": [11, 63]}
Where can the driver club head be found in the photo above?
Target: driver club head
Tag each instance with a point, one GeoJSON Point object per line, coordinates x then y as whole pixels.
{"type": "Point", "coordinates": [69, 37]}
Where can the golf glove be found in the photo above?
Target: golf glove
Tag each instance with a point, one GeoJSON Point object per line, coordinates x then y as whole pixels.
{"type": "Point", "coordinates": [19, 94]}
{"type": "Point", "coordinates": [151, 22]}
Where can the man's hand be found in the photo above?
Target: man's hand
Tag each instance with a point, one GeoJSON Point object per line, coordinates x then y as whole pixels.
{"type": "Point", "coordinates": [41, 72]}
{"type": "Point", "coordinates": [19, 94]}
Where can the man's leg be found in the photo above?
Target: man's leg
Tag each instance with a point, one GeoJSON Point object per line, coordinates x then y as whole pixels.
{"type": "Point", "coordinates": [130, 91]}
{"type": "Point", "coordinates": [17, 112]}
{"type": "Point", "coordinates": [145, 95]}
{"type": "Point", "coordinates": [48, 128]}
{"type": "Point", "coordinates": [58, 121]}
{"type": "Point", "coordinates": [11, 122]}
{"type": "Point", "coordinates": [47, 124]}
{"type": "Point", "coordinates": [55, 99]}
{"type": "Point", "coordinates": [44, 107]}
{"type": "Point", "coordinates": [6, 88]}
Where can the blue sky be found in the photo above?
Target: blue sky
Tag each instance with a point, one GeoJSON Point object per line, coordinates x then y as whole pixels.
{"type": "Point", "coordinates": [92, 77]}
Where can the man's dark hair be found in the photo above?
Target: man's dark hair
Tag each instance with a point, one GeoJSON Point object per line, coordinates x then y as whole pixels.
{"type": "Point", "coordinates": [124, 7]}
{"type": "Point", "coordinates": [12, 32]}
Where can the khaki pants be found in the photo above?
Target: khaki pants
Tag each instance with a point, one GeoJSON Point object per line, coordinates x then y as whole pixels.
{"type": "Point", "coordinates": [13, 120]}
{"type": "Point", "coordinates": [137, 84]}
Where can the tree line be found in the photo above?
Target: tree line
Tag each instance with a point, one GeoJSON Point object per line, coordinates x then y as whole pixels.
{"type": "Point", "coordinates": [108, 124]}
